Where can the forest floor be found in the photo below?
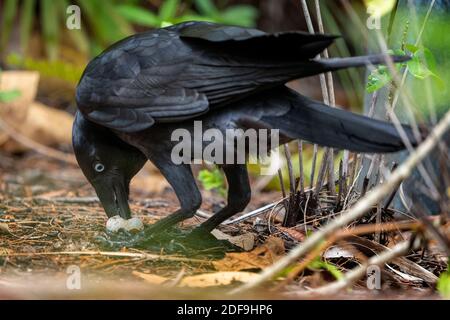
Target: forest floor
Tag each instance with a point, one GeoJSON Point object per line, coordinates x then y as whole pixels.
{"type": "Point", "coordinates": [51, 223]}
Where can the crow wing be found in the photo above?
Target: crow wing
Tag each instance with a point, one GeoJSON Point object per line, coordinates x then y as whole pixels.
{"type": "Point", "coordinates": [181, 72]}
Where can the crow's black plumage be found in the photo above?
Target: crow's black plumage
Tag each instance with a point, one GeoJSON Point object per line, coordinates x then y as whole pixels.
{"type": "Point", "coordinates": [135, 94]}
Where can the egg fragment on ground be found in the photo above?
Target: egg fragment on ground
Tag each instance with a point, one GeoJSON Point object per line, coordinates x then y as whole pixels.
{"type": "Point", "coordinates": [134, 225]}
{"type": "Point", "coordinates": [116, 223]}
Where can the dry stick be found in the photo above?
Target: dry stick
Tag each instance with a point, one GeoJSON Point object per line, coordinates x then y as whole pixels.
{"type": "Point", "coordinates": [322, 170]}
{"type": "Point", "coordinates": [322, 86]}
{"type": "Point", "coordinates": [289, 213]}
{"type": "Point", "coordinates": [358, 272]}
{"type": "Point", "coordinates": [340, 184]}
{"type": "Point", "coordinates": [332, 103]}
{"type": "Point", "coordinates": [313, 167]}
{"type": "Point", "coordinates": [40, 148]}
{"type": "Point", "coordinates": [147, 256]}
{"type": "Point", "coordinates": [300, 163]}
{"type": "Point", "coordinates": [287, 153]}
{"type": "Point", "coordinates": [357, 210]}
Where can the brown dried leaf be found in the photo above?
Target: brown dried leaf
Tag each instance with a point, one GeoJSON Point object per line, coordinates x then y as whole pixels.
{"type": "Point", "coordinates": [216, 279]}
{"type": "Point", "coordinates": [245, 241]}
{"type": "Point", "coordinates": [293, 233]}
{"type": "Point", "coordinates": [150, 278]}
{"type": "Point", "coordinates": [259, 258]}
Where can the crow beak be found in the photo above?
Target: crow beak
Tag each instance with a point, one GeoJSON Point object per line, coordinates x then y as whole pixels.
{"type": "Point", "coordinates": [113, 196]}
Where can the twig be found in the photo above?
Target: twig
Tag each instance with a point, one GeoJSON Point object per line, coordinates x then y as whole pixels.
{"type": "Point", "coordinates": [287, 154]}
{"type": "Point", "coordinates": [300, 163]}
{"type": "Point", "coordinates": [358, 209]}
{"type": "Point", "coordinates": [71, 200]}
{"type": "Point", "coordinates": [332, 102]}
{"type": "Point", "coordinates": [147, 256]}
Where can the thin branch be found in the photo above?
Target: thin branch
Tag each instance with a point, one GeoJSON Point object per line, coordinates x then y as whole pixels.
{"type": "Point", "coordinates": [146, 256]}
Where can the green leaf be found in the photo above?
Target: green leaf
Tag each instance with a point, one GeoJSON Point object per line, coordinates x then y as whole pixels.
{"type": "Point", "coordinates": [26, 22]}
{"type": "Point", "coordinates": [194, 17]}
{"type": "Point", "coordinates": [168, 10]}
{"type": "Point", "coordinates": [378, 78]}
{"type": "Point", "coordinates": [418, 68]}
{"type": "Point", "coordinates": [212, 180]}
{"type": "Point", "coordinates": [8, 96]}
{"type": "Point", "coordinates": [443, 284]}
{"type": "Point", "coordinates": [50, 28]}
{"type": "Point", "coordinates": [139, 16]}
{"type": "Point", "coordinates": [332, 269]}
{"type": "Point", "coordinates": [422, 64]}
{"type": "Point", "coordinates": [206, 7]}
{"type": "Point", "coordinates": [412, 48]}
{"type": "Point", "coordinates": [9, 10]}
{"type": "Point", "coordinates": [240, 15]}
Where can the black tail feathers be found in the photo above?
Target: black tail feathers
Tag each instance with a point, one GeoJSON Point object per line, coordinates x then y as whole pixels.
{"type": "Point", "coordinates": [318, 123]}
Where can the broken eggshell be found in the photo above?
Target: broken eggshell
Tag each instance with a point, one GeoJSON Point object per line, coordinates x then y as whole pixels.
{"type": "Point", "coordinates": [117, 223]}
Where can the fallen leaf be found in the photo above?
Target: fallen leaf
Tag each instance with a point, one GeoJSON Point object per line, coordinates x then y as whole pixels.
{"type": "Point", "coordinates": [245, 241]}
{"type": "Point", "coordinates": [295, 234]}
{"type": "Point", "coordinates": [216, 279]}
{"type": "Point", "coordinates": [258, 258]}
{"type": "Point", "coordinates": [150, 278]}
{"type": "Point", "coordinates": [336, 252]}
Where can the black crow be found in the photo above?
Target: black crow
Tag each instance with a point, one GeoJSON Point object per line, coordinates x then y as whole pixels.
{"type": "Point", "coordinates": [134, 95]}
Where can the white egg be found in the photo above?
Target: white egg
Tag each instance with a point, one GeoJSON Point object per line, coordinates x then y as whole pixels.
{"type": "Point", "coordinates": [134, 225]}
{"type": "Point", "coordinates": [114, 224]}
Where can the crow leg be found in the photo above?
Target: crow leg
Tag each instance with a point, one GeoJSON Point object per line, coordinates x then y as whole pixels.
{"type": "Point", "coordinates": [183, 183]}
{"type": "Point", "coordinates": [239, 194]}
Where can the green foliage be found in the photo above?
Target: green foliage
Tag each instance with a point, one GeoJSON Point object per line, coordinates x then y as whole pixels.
{"type": "Point", "coordinates": [421, 66]}
{"type": "Point", "coordinates": [378, 78]}
{"type": "Point", "coordinates": [56, 69]}
{"type": "Point", "coordinates": [9, 10]}
{"type": "Point", "coordinates": [323, 265]}
{"type": "Point", "coordinates": [443, 284]}
{"type": "Point", "coordinates": [105, 22]}
{"type": "Point", "coordinates": [212, 180]}
{"type": "Point", "coordinates": [170, 13]}
{"type": "Point", "coordinates": [243, 15]}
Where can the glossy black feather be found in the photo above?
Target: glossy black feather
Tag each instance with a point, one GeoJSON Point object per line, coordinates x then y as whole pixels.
{"type": "Point", "coordinates": [182, 71]}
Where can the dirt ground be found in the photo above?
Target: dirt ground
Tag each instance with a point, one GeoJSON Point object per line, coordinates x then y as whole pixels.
{"type": "Point", "coordinates": [51, 223]}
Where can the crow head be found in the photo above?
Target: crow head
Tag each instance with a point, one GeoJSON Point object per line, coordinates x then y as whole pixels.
{"type": "Point", "coordinates": [107, 162]}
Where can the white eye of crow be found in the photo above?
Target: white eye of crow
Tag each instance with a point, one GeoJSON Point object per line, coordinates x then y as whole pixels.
{"type": "Point", "coordinates": [99, 167]}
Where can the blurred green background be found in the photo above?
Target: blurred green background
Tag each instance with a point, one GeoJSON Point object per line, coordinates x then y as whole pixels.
{"type": "Point", "coordinates": [34, 36]}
